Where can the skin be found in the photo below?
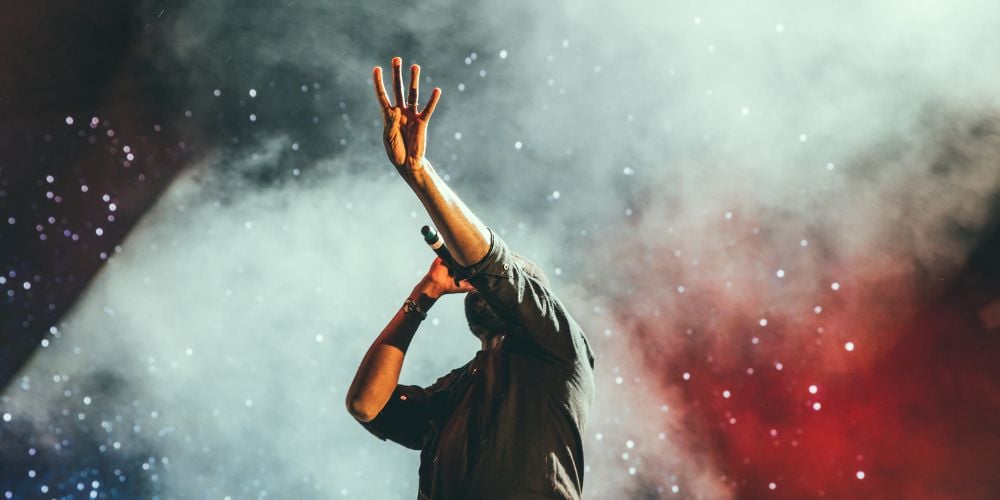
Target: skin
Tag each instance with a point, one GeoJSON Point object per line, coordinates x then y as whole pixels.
{"type": "Point", "coordinates": [468, 239]}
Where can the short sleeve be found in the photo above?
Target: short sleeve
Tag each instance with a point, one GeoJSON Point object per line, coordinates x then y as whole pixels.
{"type": "Point", "coordinates": [405, 419]}
{"type": "Point", "coordinates": [527, 305]}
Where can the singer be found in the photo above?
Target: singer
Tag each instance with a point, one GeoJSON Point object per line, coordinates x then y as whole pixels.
{"type": "Point", "coordinates": [509, 423]}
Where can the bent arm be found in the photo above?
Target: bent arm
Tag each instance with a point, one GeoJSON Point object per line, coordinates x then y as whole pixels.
{"type": "Point", "coordinates": [465, 235]}
{"type": "Point", "coordinates": [378, 373]}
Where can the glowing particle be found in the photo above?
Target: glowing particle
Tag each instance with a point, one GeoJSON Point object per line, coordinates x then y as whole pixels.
{"type": "Point", "coordinates": [628, 171]}
{"type": "Point", "coordinates": [726, 394]}
{"type": "Point", "coordinates": [860, 474]}
{"type": "Point", "coordinates": [555, 195]}
{"type": "Point", "coordinates": [774, 432]}
{"type": "Point", "coordinates": [804, 243]}
{"type": "Point", "coordinates": [664, 408]}
{"type": "Point", "coordinates": [849, 346]}
{"type": "Point", "coordinates": [619, 380]}
{"type": "Point", "coordinates": [99, 231]}
{"type": "Point", "coordinates": [817, 406]}
{"type": "Point", "coordinates": [216, 92]}
{"type": "Point", "coordinates": [503, 54]}
{"type": "Point", "coordinates": [630, 444]}
{"type": "Point", "coordinates": [803, 137]}
{"type": "Point", "coordinates": [729, 215]}
{"type": "Point", "coordinates": [458, 136]}
{"type": "Point", "coordinates": [732, 420]}
{"type": "Point", "coordinates": [69, 120]}
{"type": "Point", "coordinates": [680, 289]}
{"type": "Point", "coordinates": [779, 28]}
{"type": "Point", "coordinates": [696, 21]}
{"type": "Point", "coordinates": [772, 485]}
{"type": "Point", "coordinates": [319, 337]}
{"type": "Point", "coordinates": [461, 87]}
{"type": "Point", "coordinates": [599, 436]}
{"type": "Point", "coordinates": [675, 489]}
{"type": "Point", "coordinates": [631, 471]}
{"type": "Point", "coordinates": [755, 340]}
{"type": "Point", "coordinates": [778, 366]}
{"type": "Point", "coordinates": [780, 273]}
{"type": "Point", "coordinates": [253, 92]}
{"type": "Point", "coordinates": [818, 309]}
{"type": "Point", "coordinates": [565, 43]}
{"type": "Point", "coordinates": [518, 145]}
{"type": "Point", "coordinates": [253, 117]}
{"type": "Point", "coordinates": [686, 376]}
{"type": "Point", "coordinates": [189, 351]}
{"type": "Point", "coordinates": [745, 111]}
{"type": "Point", "coordinates": [835, 286]}
{"type": "Point", "coordinates": [830, 166]}
{"type": "Point", "coordinates": [249, 403]}
{"type": "Point", "coordinates": [7, 417]}
{"type": "Point", "coordinates": [763, 321]}
{"type": "Point", "coordinates": [813, 389]}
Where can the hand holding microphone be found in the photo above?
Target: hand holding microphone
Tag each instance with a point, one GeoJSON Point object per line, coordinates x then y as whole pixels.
{"type": "Point", "coordinates": [434, 240]}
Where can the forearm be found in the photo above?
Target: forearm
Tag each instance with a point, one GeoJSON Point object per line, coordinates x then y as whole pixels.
{"type": "Point", "coordinates": [378, 373]}
{"type": "Point", "coordinates": [466, 236]}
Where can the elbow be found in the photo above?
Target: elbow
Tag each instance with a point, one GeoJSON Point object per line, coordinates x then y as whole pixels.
{"type": "Point", "coordinates": [360, 411]}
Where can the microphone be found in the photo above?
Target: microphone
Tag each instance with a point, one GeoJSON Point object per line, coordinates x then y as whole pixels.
{"type": "Point", "coordinates": [434, 240]}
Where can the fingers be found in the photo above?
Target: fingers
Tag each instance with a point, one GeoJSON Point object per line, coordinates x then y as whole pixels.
{"type": "Point", "coordinates": [431, 104]}
{"type": "Point", "coordinates": [383, 100]}
{"type": "Point", "coordinates": [411, 98]}
{"type": "Point", "coordinates": [397, 81]}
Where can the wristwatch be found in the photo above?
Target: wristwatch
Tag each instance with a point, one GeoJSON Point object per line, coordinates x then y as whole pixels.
{"type": "Point", "coordinates": [411, 307]}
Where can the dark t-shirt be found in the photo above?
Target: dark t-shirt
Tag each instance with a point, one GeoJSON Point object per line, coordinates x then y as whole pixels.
{"type": "Point", "coordinates": [509, 423]}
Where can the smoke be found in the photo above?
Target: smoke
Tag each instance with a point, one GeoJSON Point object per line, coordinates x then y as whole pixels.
{"type": "Point", "coordinates": [725, 196]}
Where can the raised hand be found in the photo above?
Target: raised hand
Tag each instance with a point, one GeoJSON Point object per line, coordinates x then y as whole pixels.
{"type": "Point", "coordinates": [438, 281]}
{"type": "Point", "coordinates": [405, 127]}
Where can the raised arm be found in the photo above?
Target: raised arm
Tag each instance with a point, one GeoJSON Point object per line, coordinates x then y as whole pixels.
{"type": "Point", "coordinates": [405, 137]}
{"type": "Point", "coordinates": [378, 374]}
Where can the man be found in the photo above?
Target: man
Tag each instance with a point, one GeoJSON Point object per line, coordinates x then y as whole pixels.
{"type": "Point", "coordinates": [509, 423]}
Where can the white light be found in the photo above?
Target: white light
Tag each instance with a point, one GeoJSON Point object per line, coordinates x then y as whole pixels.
{"type": "Point", "coordinates": [618, 380]}
{"type": "Point", "coordinates": [630, 444]}
{"type": "Point", "coordinates": [555, 195]}
{"type": "Point", "coordinates": [778, 366]}
{"type": "Point", "coordinates": [772, 486]}
{"type": "Point", "coordinates": [763, 322]}
{"type": "Point", "coordinates": [813, 389]}
{"type": "Point", "coordinates": [780, 273]}
{"type": "Point", "coordinates": [817, 309]}
{"type": "Point", "coordinates": [686, 376]}
{"type": "Point", "coordinates": [860, 474]}
{"type": "Point", "coordinates": [817, 406]}
{"type": "Point", "coordinates": [849, 346]}
{"type": "Point", "coordinates": [804, 243]}
{"type": "Point", "coordinates": [517, 145]}
{"type": "Point", "coordinates": [803, 137]}
{"type": "Point", "coordinates": [835, 286]}
{"type": "Point", "coordinates": [458, 136]}
{"type": "Point", "coordinates": [253, 92]}
{"type": "Point", "coordinates": [503, 54]}
{"type": "Point", "coordinates": [726, 394]}
{"type": "Point", "coordinates": [779, 28]}
{"type": "Point", "coordinates": [69, 120]}
{"type": "Point", "coordinates": [7, 417]}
